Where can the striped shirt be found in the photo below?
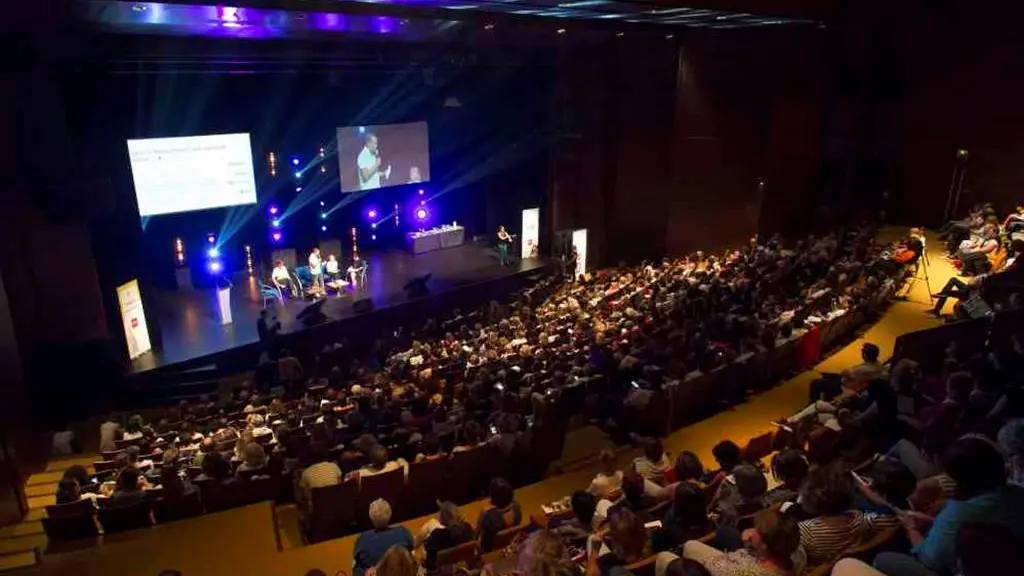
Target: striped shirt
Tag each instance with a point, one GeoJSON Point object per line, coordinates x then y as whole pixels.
{"type": "Point", "coordinates": [321, 474]}
{"type": "Point", "coordinates": [653, 471]}
{"type": "Point", "coordinates": [824, 538]}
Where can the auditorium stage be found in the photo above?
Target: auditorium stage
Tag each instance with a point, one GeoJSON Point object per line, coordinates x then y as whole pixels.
{"type": "Point", "coordinates": [193, 338]}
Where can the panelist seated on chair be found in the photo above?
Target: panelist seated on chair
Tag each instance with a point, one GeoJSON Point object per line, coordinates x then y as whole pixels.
{"type": "Point", "coordinates": [281, 278]}
{"type": "Point", "coordinates": [331, 268]}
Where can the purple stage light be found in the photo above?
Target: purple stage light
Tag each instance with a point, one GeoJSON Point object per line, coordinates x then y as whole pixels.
{"type": "Point", "coordinates": [211, 238]}
{"type": "Point", "coordinates": [372, 214]}
{"type": "Point", "coordinates": [273, 210]}
{"type": "Point", "coordinates": [421, 192]}
{"type": "Point", "coordinates": [276, 236]}
{"type": "Point", "coordinates": [421, 214]}
{"type": "Point", "coordinates": [215, 266]}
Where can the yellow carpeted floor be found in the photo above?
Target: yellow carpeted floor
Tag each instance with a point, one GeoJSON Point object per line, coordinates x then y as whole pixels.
{"type": "Point", "coordinates": [260, 540]}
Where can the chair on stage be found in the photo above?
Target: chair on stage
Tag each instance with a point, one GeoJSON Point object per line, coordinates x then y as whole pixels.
{"type": "Point", "coordinates": [270, 292]}
{"type": "Point", "coordinates": [303, 279]}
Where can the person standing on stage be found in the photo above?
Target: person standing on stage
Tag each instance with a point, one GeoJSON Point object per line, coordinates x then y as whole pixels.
{"type": "Point", "coordinates": [281, 278]}
{"type": "Point", "coordinates": [370, 165]}
{"type": "Point", "coordinates": [316, 269]}
{"type": "Point", "coordinates": [504, 239]}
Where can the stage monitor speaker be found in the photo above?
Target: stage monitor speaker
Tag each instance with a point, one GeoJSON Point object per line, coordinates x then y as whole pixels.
{"type": "Point", "coordinates": [331, 246]}
{"type": "Point", "coordinates": [286, 255]}
{"type": "Point", "coordinates": [362, 306]}
{"type": "Point", "coordinates": [417, 287]}
{"type": "Point", "coordinates": [313, 314]}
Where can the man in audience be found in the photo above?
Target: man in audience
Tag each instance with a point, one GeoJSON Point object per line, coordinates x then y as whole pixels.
{"type": "Point", "coordinates": [856, 379]}
{"type": "Point", "coordinates": [982, 495]}
{"type": "Point", "coordinates": [322, 473]}
{"type": "Point", "coordinates": [371, 546]}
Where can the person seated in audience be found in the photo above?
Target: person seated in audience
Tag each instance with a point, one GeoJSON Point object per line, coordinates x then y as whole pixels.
{"type": "Point", "coordinates": [771, 548]}
{"type": "Point", "coordinates": [739, 494]}
{"type": "Point", "coordinates": [1011, 440]}
{"type": "Point", "coordinates": [472, 436]}
{"type": "Point", "coordinates": [430, 449]}
{"type": "Point", "coordinates": [216, 468]}
{"type": "Point", "coordinates": [257, 425]}
{"type": "Point", "coordinates": [982, 495]}
{"type": "Point", "coordinates": [727, 455]}
{"type": "Point", "coordinates": [542, 553]}
{"type": "Point", "coordinates": [254, 458]}
{"type": "Point", "coordinates": [686, 520]}
{"type": "Point", "coordinates": [75, 484]}
{"type": "Point", "coordinates": [856, 378]}
{"type": "Point", "coordinates": [654, 462]}
{"type": "Point", "coordinates": [173, 484]}
{"type": "Point", "coordinates": [244, 439]}
{"type": "Point", "coordinates": [790, 468]}
{"type": "Point", "coordinates": [447, 529]}
{"type": "Point", "coordinates": [132, 459]}
{"type": "Point", "coordinates": [609, 479]}
{"type": "Point", "coordinates": [688, 468]}
{"type": "Point", "coordinates": [675, 566]}
{"type": "Point", "coordinates": [634, 497]}
{"type": "Point", "coordinates": [397, 561]}
{"type": "Point", "coordinates": [887, 491]}
{"type": "Point", "coordinates": [576, 529]}
{"type": "Point", "coordinates": [503, 513]}
{"type": "Point", "coordinates": [973, 254]}
{"type": "Point", "coordinates": [133, 428]}
{"type": "Point", "coordinates": [379, 463]}
{"type": "Point", "coordinates": [624, 542]}
{"type": "Point", "coordinates": [983, 548]}
{"type": "Point", "coordinates": [371, 546]}
{"type": "Point", "coordinates": [128, 489]}
{"type": "Point", "coordinates": [827, 496]}
{"type": "Point", "coordinates": [322, 473]}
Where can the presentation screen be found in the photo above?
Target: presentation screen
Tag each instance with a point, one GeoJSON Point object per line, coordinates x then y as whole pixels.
{"type": "Point", "coordinates": [192, 173]}
{"type": "Point", "coordinates": [371, 157]}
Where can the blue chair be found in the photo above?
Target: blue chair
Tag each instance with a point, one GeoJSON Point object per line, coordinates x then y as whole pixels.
{"type": "Point", "coordinates": [270, 293]}
{"type": "Point", "coordinates": [304, 278]}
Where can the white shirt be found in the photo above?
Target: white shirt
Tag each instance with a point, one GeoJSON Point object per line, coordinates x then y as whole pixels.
{"type": "Point", "coordinates": [279, 273]}
{"type": "Point", "coordinates": [314, 264]}
{"type": "Point", "coordinates": [332, 266]}
{"type": "Point", "coordinates": [365, 161]}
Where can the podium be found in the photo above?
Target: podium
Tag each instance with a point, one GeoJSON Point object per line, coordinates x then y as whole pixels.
{"type": "Point", "coordinates": [224, 304]}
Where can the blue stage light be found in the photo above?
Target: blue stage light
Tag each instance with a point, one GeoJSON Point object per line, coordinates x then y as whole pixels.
{"type": "Point", "coordinates": [213, 252]}
{"type": "Point", "coordinates": [323, 228]}
{"type": "Point", "coordinates": [373, 237]}
{"type": "Point", "coordinates": [275, 223]}
{"type": "Point", "coordinates": [298, 174]}
{"type": "Point", "coordinates": [295, 160]}
{"type": "Point", "coordinates": [421, 192]}
{"type": "Point", "coordinates": [421, 214]}
{"type": "Point", "coordinates": [322, 203]}
{"type": "Point", "coordinates": [215, 266]}
{"type": "Point", "coordinates": [323, 215]}
{"type": "Point", "coordinates": [298, 188]}
{"type": "Point", "coordinates": [373, 225]}
{"type": "Point", "coordinates": [362, 130]}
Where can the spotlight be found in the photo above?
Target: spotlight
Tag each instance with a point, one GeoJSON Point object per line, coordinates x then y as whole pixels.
{"type": "Point", "coordinates": [423, 202]}
{"type": "Point", "coordinates": [323, 215]}
{"type": "Point", "coordinates": [298, 174]}
{"type": "Point", "coordinates": [561, 30]}
{"type": "Point", "coordinates": [362, 129]}
{"type": "Point", "coordinates": [421, 191]}
{"type": "Point", "coordinates": [276, 223]}
{"type": "Point", "coordinates": [321, 202]}
{"type": "Point", "coordinates": [323, 169]}
{"type": "Point", "coordinates": [276, 236]}
{"type": "Point", "coordinates": [213, 252]}
{"type": "Point", "coordinates": [295, 160]}
{"type": "Point", "coordinates": [215, 266]}
{"type": "Point", "coordinates": [373, 237]}
{"type": "Point", "coordinates": [298, 188]}
{"type": "Point", "coordinates": [373, 225]}
{"type": "Point", "coordinates": [272, 210]}
{"type": "Point", "coordinates": [372, 213]}
{"type": "Point", "coordinates": [421, 213]}
{"type": "Point", "coordinates": [211, 238]}
{"type": "Point", "coordinates": [323, 228]}
{"type": "Point", "coordinates": [322, 151]}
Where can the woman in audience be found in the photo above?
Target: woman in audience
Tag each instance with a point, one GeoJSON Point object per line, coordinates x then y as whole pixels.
{"type": "Point", "coordinates": [379, 463]}
{"type": "Point", "coordinates": [982, 495]}
{"type": "Point", "coordinates": [503, 513]}
{"type": "Point", "coordinates": [173, 484]}
{"type": "Point", "coordinates": [771, 548]}
{"type": "Point", "coordinates": [790, 468]}
{"type": "Point", "coordinates": [257, 424]}
{"type": "Point", "coordinates": [576, 529]}
{"type": "Point", "coordinates": [739, 494]}
{"type": "Point", "coordinates": [253, 458]}
{"type": "Point", "coordinates": [609, 479]}
{"type": "Point", "coordinates": [625, 542]}
{"type": "Point", "coordinates": [827, 495]}
{"type": "Point", "coordinates": [544, 554]}
{"type": "Point", "coordinates": [654, 462]}
{"type": "Point", "coordinates": [128, 490]}
{"type": "Point", "coordinates": [133, 429]}
{"type": "Point", "coordinates": [727, 455]}
{"type": "Point", "coordinates": [447, 529]}
{"type": "Point", "coordinates": [688, 468]}
{"type": "Point", "coordinates": [216, 468]}
{"type": "Point", "coordinates": [686, 520]}
{"type": "Point", "coordinates": [397, 561]}
{"type": "Point", "coordinates": [244, 439]}
{"type": "Point", "coordinates": [634, 497]}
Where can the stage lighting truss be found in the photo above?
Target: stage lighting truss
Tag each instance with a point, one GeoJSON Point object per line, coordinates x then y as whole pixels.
{"type": "Point", "coordinates": [397, 218]}
{"type": "Point", "coordinates": [248, 259]}
{"type": "Point", "coordinates": [179, 251]}
{"type": "Point", "coordinates": [272, 163]}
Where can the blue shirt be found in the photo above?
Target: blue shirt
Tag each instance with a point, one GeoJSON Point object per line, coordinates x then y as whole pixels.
{"type": "Point", "coordinates": [371, 546]}
{"type": "Point", "coordinates": [1003, 506]}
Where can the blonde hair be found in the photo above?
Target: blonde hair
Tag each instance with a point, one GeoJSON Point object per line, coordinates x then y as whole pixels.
{"type": "Point", "coordinates": [397, 561]}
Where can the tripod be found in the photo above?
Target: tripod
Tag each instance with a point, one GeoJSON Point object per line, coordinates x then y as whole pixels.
{"type": "Point", "coordinates": [920, 272]}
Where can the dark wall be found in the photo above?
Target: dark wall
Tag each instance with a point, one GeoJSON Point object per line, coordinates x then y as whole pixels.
{"type": "Point", "coordinates": [669, 146]}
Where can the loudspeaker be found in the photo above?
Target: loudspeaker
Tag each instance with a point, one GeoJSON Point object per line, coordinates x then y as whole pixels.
{"type": "Point", "coordinates": [362, 306]}
{"type": "Point", "coordinates": [313, 314]}
{"type": "Point", "coordinates": [417, 287]}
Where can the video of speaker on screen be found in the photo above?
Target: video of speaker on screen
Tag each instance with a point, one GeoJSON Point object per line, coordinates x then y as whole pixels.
{"type": "Point", "coordinates": [372, 157]}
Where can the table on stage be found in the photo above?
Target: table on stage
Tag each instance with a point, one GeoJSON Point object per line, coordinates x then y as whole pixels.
{"type": "Point", "coordinates": [435, 239]}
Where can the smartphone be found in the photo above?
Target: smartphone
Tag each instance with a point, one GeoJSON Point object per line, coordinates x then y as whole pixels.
{"type": "Point", "coordinates": [635, 385]}
{"type": "Point", "coordinates": [653, 525]}
{"type": "Point", "coordinates": [494, 429]}
{"type": "Point", "coordinates": [500, 386]}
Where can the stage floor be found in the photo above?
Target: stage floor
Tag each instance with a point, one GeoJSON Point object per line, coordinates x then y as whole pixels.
{"type": "Point", "coordinates": [190, 327]}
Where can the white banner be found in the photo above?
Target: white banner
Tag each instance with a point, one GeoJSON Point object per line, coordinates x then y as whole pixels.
{"type": "Point", "coordinates": [133, 317]}
{"type": "Point", "coordinates": [531, 233]}
{"type": "Point", "coordinates": [579, 243]}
